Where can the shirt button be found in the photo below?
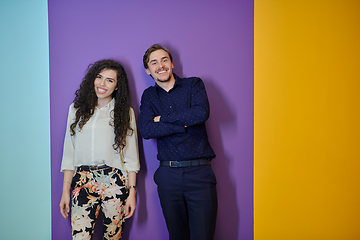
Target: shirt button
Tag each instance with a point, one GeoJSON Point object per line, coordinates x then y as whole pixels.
{"type": "Point", "coordinates": [170, 106]}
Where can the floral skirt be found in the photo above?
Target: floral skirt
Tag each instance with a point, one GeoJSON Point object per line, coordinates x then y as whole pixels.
{"type": "Point", "coordinates": [97, 190]}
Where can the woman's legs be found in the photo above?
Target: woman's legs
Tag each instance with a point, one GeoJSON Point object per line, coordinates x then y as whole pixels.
{"type": "Point", "coordinates": [92, 189]}
{"type": "Point", "coordinates": [113, 206]}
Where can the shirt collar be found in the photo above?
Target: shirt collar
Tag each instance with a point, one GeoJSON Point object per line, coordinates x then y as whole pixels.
{"type": "Point", "coordinates": [109, 106]}
{"type": "Point", "coordinates": [178, 82]}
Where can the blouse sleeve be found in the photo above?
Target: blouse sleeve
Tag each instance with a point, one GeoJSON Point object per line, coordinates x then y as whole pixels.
{"type": "Point", "coordinates": [67, 162]}
{"type": "Point", "coordinates": [131, 152]}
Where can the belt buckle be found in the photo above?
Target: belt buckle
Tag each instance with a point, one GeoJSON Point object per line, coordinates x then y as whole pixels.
{"type": "Point", "coordinates": [170, 163]}
{"type": "Point", "coordinates": [94, 168]}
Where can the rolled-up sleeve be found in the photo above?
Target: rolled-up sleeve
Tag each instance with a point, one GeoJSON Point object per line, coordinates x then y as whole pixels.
{"type": "Point", "coordinates": [131, 151]}
{"type": "Point", "coordinates": [67, 162]}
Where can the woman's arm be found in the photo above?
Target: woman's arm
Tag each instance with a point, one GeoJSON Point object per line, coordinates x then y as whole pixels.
{"type": "Point", "coordinates": [65, 198]}
{"type": "Point", "coordinates": [130, 205]}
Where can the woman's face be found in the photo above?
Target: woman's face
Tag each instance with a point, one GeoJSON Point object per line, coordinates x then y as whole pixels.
{"type": "Point", "coordinates": [105, 85]}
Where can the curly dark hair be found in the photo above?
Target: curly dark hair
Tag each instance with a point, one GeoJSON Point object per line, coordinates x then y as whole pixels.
{"type": "Point", "coordinates": [85, 102]}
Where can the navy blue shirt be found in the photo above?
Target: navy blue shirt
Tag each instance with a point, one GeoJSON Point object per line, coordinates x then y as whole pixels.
{"type": "Point", "coordinates": [186, 104]}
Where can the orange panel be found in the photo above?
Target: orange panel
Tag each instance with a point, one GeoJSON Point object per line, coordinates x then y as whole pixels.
{"type": "Point", "coordinates": [307, 116]}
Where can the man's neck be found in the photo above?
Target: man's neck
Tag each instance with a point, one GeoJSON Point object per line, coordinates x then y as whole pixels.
{"type": "Point", "coordinates": [167, 86]}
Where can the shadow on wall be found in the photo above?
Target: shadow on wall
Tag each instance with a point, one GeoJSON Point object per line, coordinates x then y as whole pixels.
{"type": "Point", "coordinates": [140, 180]}
{"type": "Point", "coordinates": [228, 211]}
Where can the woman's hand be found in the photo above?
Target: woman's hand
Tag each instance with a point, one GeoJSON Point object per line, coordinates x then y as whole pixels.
{"type": "Point", "coordinates": [130, 205]}
{"type": "Point", "coordinates": [64, 205]}
{"type": "Point", "coordinates": [65, 198]}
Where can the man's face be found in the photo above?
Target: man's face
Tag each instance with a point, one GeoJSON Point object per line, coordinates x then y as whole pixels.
{"type": "Point", "coordinates": [160, 66]}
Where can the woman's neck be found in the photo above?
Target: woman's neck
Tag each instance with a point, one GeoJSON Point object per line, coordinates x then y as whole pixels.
{"type": "Point", "coordinates": [102, 102]}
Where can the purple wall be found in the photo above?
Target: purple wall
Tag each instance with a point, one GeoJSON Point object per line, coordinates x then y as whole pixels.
{"type": "Point", "coordinates": [211, 39]}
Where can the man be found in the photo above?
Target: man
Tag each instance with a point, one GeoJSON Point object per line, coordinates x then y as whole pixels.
{"type": "Point", "coordinates": [174, 112]}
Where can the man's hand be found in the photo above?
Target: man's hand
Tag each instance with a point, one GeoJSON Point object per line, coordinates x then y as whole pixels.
{"type": "Point", "coordinates": [157, 119]}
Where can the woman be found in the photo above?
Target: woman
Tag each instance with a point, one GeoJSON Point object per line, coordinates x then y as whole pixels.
{"type": "Point", "coordinates": [100, 155]}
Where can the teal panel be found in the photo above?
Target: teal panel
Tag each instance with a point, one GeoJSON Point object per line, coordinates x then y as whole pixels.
{"type": "Point", "coordinates": [25, 121]}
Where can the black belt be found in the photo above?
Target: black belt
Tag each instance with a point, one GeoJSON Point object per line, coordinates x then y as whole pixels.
{"type": "Point", "coordinates": [189, 163]}
{"type": "Point", "coordinates": [92, 168]}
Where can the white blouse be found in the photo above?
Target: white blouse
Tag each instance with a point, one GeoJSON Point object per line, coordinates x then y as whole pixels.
{"type": "Point", "coordinates": [93, 145]}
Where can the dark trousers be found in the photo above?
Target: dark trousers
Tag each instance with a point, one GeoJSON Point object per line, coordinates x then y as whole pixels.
{"type": "Point", "coordinates": [188, 200]}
